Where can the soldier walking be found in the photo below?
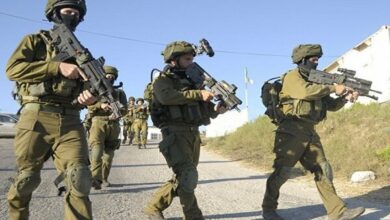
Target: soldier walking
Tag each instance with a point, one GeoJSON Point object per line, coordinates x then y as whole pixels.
{"type": "Point", "coordinates": [305, 104]}
{"type": "Point", "coordinates": [49, 124]}
{"type": "Point", "coordinates": [104, 133]}
{"type": "Point", "coordinates": [140, 125]}
{"type": "Point", "coordinates": [178, 109]}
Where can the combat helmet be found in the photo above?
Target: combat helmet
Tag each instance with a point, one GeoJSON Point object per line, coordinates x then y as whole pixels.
{"type": "Point", "coordinates": [111, 70]}
{"type": "Point", "coordinates": [131, 98]}
{"type": "Point", "coordinates": [140, 99]}
{"type": "Point", "coordinates": [53, 5]}
{"type": "Point", "coordinates": [176, 49]}
{"type": "Point", "coordinates": [306, 50]}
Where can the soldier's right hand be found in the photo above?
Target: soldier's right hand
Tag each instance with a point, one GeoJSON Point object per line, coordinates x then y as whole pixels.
{"type": "Point", "coordinates": [69, 70]}
{"type": "Point", "coordinates": [105, 106]}
{"type": "Point", "coordinates": [341, 89]}
{"type": "Point", "coordinates": [207, 95]}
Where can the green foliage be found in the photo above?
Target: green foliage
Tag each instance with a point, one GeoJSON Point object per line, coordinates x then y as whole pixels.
{"type": "Point", "coordinates": [355, 138]}
{"type": "Point", "coordinates": [383, 154]}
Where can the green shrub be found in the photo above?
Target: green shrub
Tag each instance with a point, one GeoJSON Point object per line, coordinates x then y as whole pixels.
{"type": "Point", "coordinates": [353, 139]}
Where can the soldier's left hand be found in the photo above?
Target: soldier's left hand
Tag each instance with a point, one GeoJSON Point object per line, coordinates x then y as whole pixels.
{"type": "Point", "coordinates": [352, 96]}
{"type": "Point", "coordinates": [220, 108]}
{"type": "Point", "coordinates": [86, 98]}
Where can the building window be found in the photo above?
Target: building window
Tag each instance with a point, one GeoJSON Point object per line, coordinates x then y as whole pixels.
{"type": "Point", "coordinates": [154, 136]}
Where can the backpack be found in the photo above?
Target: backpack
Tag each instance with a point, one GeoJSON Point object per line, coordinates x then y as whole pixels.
{"type": "Point", "coordinates": [148, 96]}
{"type": "Point", "coordinates": [270, 98]}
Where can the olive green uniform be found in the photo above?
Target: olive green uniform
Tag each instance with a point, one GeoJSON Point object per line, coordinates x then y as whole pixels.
{"type": "Point", "coordinates": [128, 121]}
{"type": "Point", "coordinates": [140, 125]}
{"type": "Point", "coordinates": [304, 104]}
{"type": "Point", "coordinates": [49, 126]}
{"type": "Point", "coordinates": [178, 110]}
{"type": "Point", "coordinates": [104, 137]}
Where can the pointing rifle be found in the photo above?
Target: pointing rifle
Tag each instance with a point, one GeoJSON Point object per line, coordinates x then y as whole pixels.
{"type": "Point", "coordinates": [347, 78]}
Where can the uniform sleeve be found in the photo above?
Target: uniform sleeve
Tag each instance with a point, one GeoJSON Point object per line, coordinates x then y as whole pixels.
{"type": "Point", "coordinates": [298, 88]}
{"type": "Point", "coordinates": [95, 107]}
{"type": "Point", "coordinates": [334, 104]}
{"type": "Point", "coordinates": [23, 66]}
{"type": "Point", "coordinates": [166, 94]}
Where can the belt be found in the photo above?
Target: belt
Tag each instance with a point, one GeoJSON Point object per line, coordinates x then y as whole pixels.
{"type": "Point", "coordinates": [104, 118]}
{"type": "Point", "coordinates": [180, 128]}
{"type": "Point", "coordinates": [51, 109]}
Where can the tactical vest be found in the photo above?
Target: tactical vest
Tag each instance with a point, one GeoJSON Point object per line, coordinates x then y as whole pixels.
{"type": "Point", "coordinates": [141, 112]}
{"type": "Point", "coordinates": [57, 90]}
{"type": "Point", "coordinates": [129, 117]}
{"type": "Point", "coordinates": [118, 93]}
{"type": "Point", "coordinates": [311, 110]}
{"type": "Point", "coordinates": [193, 114]}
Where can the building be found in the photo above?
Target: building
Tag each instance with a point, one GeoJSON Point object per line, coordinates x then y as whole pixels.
{"type": "Point", "coordinates": [154, 134]}
{"type": "Point", "coordinates": [371, 60]}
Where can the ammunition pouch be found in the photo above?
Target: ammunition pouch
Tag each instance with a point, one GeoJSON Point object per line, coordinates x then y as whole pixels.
{"type": "Point", "coordinates": [195, 113]}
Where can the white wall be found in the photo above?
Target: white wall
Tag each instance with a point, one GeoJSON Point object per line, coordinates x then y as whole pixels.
{"type": "Point", "coordinates": [227, 123]}
{"type": "Point", "coordinates": [371, 60]}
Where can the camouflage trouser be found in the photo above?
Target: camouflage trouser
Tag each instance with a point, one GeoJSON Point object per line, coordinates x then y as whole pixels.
{"type": "Point", "coordinates": [104, 141]}
{"type": "Point", "coordinates": [140, 128]}
{"type": "Point", "coordinates": [128, 131]}
{"type": "Point", "coordinates": [295, 141]}
{"type": "Point", "coordinates": [39, 134]}
{"type": "Point", "coordinates": [180, 147]}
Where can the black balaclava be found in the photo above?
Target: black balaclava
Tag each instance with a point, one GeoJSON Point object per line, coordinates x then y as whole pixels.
{"type": "Point", "coordinates": [306, 65]}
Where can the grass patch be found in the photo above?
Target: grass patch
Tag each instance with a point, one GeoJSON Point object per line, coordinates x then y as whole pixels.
{"type": "Point", "coordinates": [355, 138]}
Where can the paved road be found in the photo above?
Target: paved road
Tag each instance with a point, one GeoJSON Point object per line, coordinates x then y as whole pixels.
{"type": "Point", "coordinates": [226, 190]}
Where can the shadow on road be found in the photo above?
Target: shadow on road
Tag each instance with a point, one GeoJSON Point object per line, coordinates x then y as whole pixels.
{"type": "Point", "coordinates": [164, 164]}
{"type": "Point", "coordinates": [112, 189]}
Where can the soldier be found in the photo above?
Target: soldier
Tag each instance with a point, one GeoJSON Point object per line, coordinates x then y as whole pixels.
{"type": "Point", "coordinates": [128, 120]}
{"type": "Point", "coordinates": [49, 124]}
{"type": "Point", "coordinates": [304, 104]}
{"type": "Point", "coordinates": [104, 133]}
{"type": "Point", "coordinates": [178, 109]}
{"type": "Point", "coordinates": [140, 125]}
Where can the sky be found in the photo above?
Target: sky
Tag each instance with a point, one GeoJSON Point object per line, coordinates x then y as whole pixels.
{"type": "Point", "coordinates": [254, 34]}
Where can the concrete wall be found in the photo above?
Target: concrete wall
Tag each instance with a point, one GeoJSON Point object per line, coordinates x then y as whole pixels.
{"type": "Point", "coordinates": [371, 60]}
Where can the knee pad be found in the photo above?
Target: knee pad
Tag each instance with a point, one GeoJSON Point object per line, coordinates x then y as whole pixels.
{"type": "Point", "coordinates": [26, 182]}
{"type": "Point", "coordinates": [79, 180]}
{"type": "Point", "coordinates": [324, 170]}
{"type": "Point", "coordinates": [188, 180]}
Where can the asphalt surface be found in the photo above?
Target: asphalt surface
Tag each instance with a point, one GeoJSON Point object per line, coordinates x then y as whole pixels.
{"type": "Point", "coordinates": [226, 190]}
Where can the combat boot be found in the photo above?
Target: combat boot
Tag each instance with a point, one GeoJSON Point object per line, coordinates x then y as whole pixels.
{"type": "Point", "coordinates": [124, 141]}
{"type": "Point", "coordinates": [105, 183]}
{"type": "Point", "coordinates": [350, 214]}
{"type": "Point", "coordinates": [155, 216]}
{"type": "Point", "coordinates": [272, 215]}
{"type": "Point", "coordinates": [97, 184]}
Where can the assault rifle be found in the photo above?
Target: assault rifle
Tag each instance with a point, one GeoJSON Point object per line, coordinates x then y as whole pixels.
{"type": "Point", "coordinates": [347, 78]}
{"type": "Point", "coordinates": [70, 49]}
{"type": "Point", "coordinates": [223, 91]}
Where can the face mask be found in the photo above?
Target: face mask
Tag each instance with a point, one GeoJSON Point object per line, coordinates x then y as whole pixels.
{"type": "Point", "coordinates": [308, 65]}
{"type": "Point", "coordinates": [70, 20]}
{"type": "Point", "coordinates": [311, 65]}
